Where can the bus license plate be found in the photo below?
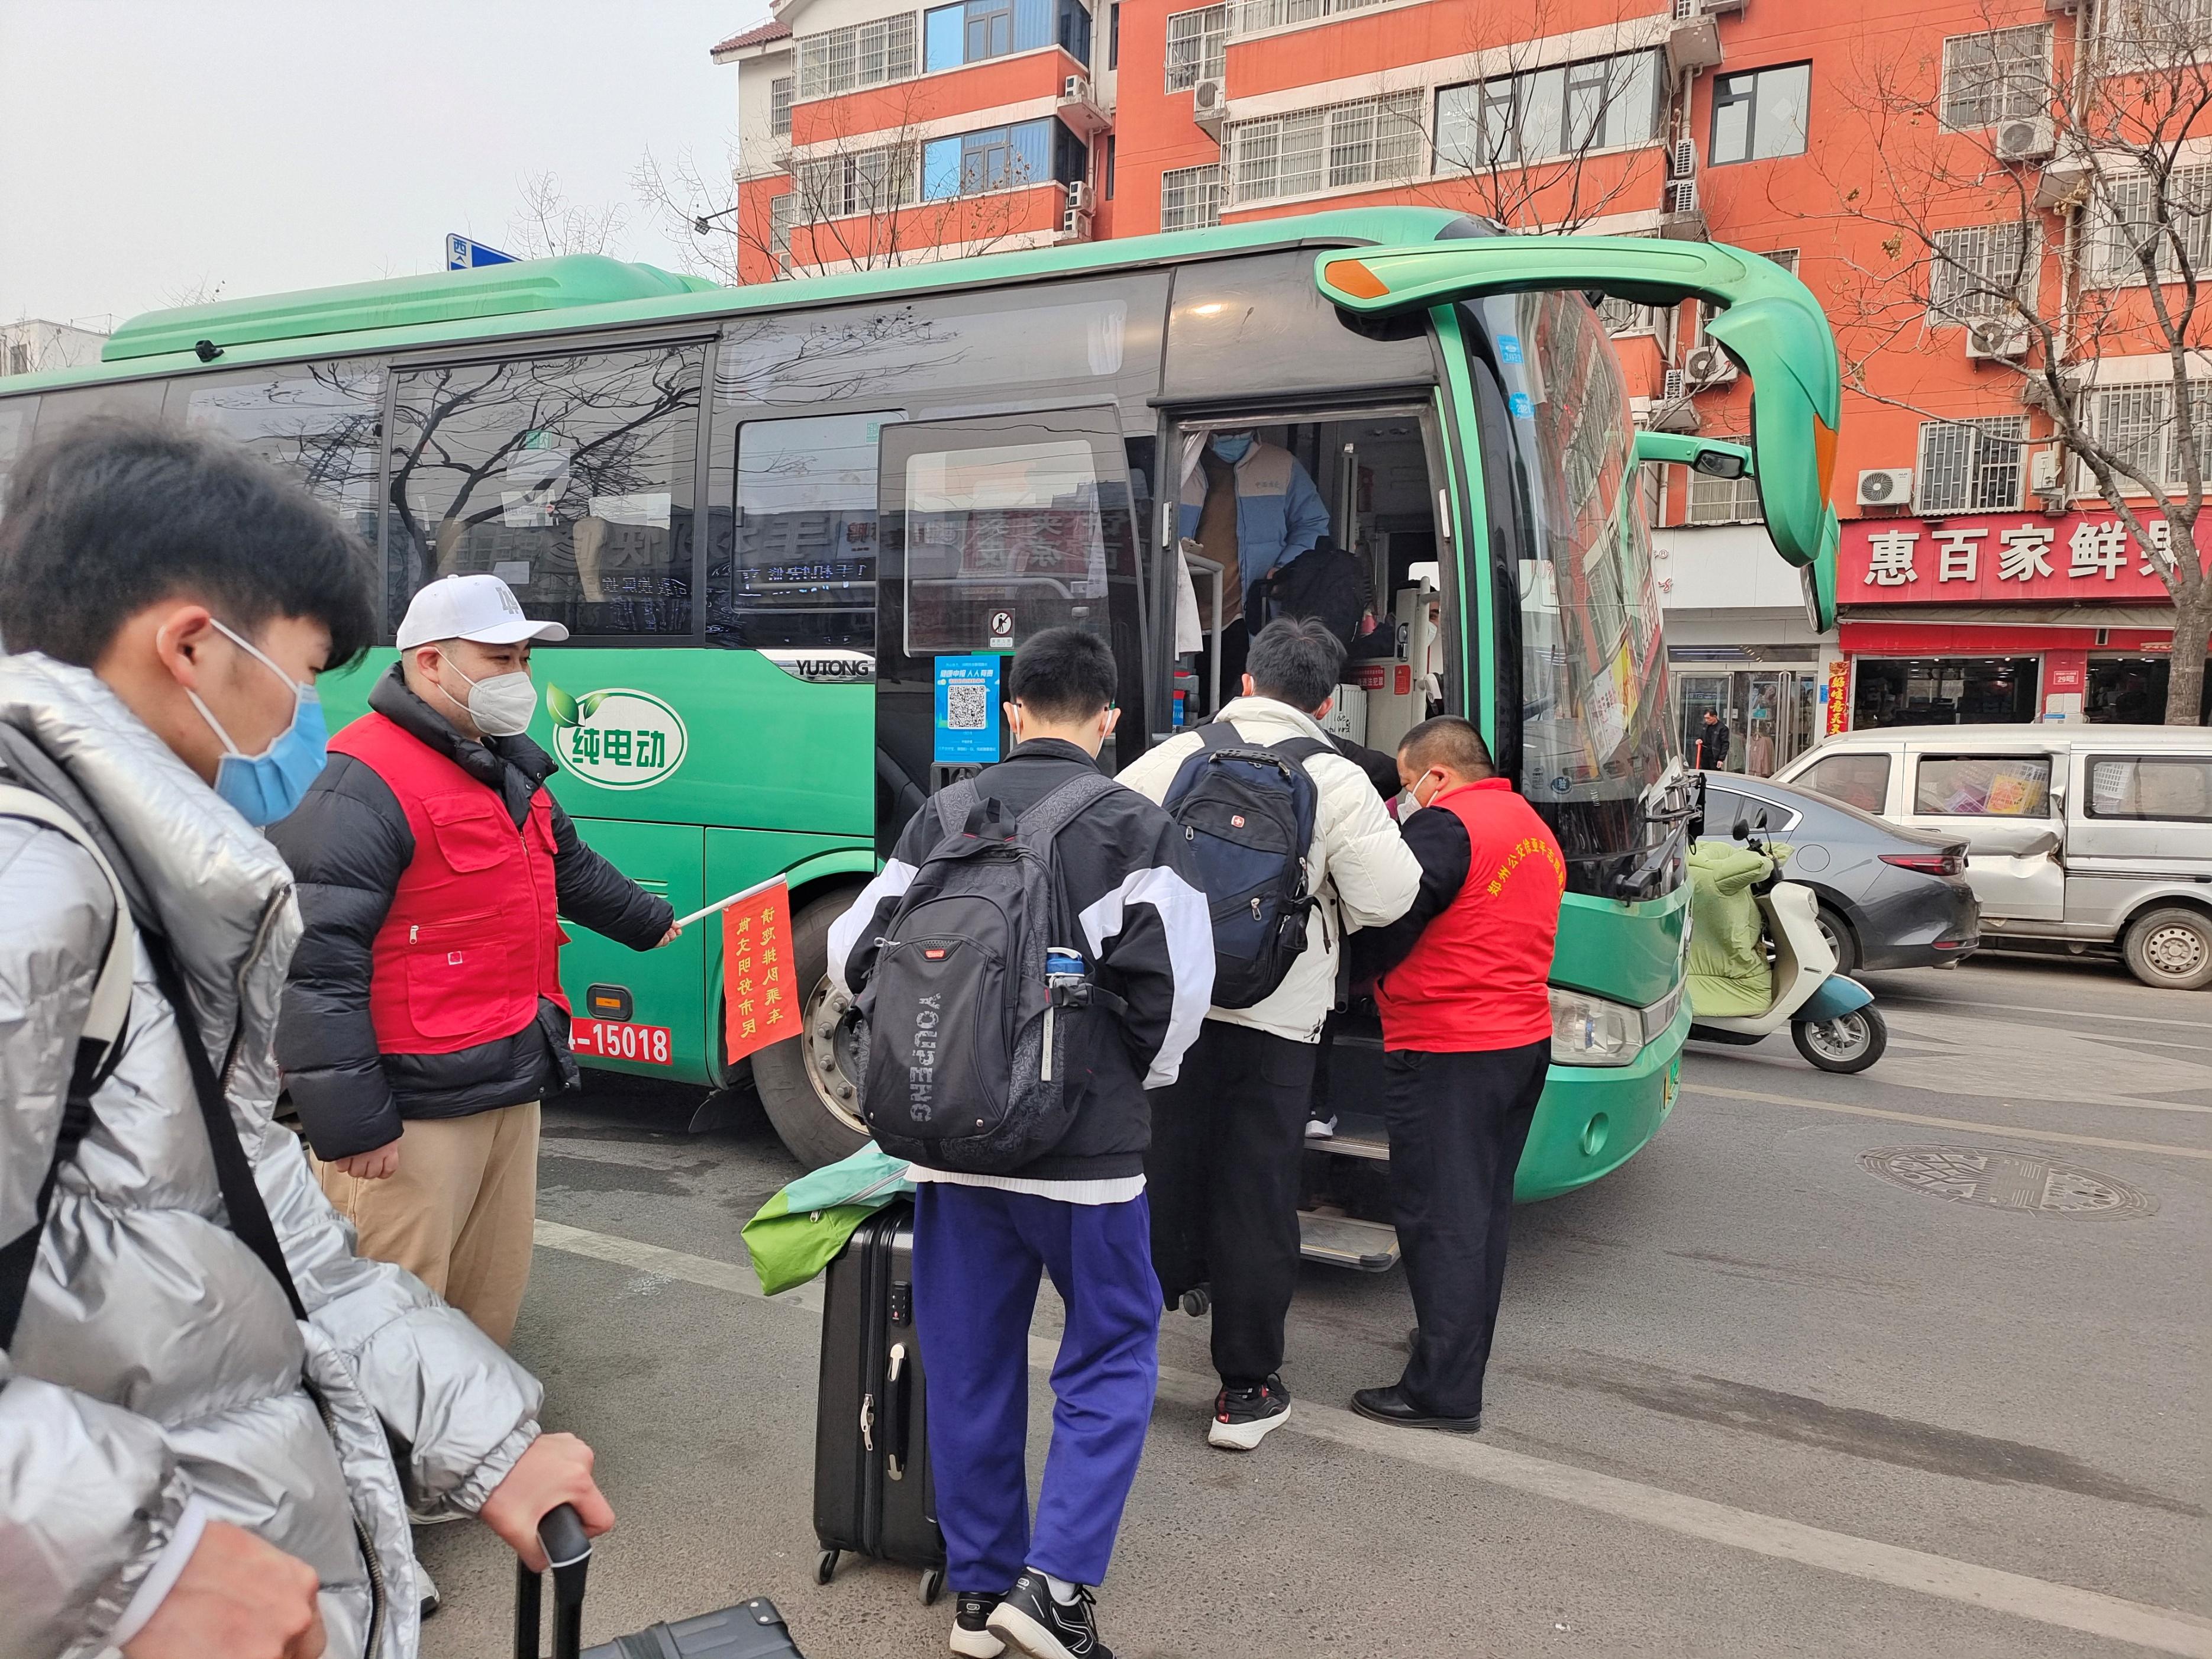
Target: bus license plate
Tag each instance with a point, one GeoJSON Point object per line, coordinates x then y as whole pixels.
{"type": "Point", "coordinates": [615, 1039]}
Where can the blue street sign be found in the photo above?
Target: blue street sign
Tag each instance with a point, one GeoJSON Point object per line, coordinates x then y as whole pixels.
{"type": "Point", "coordinates": [462, 254]}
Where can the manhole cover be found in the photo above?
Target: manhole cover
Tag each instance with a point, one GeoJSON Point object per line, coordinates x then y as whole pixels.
{"type": "Point", "coordinates": [2000, 1180]}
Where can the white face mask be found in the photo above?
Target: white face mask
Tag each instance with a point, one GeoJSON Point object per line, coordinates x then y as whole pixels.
{"type": "Point", "coordinates": [500, 704]}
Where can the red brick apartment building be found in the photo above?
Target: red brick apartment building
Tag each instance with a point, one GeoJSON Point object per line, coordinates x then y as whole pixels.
{"type": "Point", "coordinates": [1917, 161]}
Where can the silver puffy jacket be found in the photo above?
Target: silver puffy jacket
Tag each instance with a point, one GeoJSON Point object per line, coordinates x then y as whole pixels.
{"type": "Point", "coordinates": [156, 1357]}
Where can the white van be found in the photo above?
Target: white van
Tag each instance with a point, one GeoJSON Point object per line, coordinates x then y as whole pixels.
{"type": "Point", "coordinates": [2089, 837]}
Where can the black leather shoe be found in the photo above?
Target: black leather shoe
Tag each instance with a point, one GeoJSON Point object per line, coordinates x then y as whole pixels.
{"type": "Point", "coordinates": [1389, 1406]}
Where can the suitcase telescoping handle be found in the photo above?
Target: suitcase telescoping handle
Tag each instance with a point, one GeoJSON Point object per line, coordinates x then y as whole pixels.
{"type": "Point", "coordinates": [569, 1553]}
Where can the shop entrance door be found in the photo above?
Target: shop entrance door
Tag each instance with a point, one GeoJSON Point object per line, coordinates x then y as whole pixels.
{"type": "Point", "coordinates": [1766, 710]}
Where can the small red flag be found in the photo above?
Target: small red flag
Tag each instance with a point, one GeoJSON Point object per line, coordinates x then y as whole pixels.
{"type": "Point", "coordinates": [760, 983]}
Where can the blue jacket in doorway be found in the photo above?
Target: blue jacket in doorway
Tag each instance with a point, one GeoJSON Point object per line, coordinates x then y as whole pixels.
{"type": "Point", "coordinates": [1279, 513]}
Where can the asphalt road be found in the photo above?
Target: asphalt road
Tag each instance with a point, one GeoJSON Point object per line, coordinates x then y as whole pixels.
{"type": "Point", "coordinates": [1910, 1363]}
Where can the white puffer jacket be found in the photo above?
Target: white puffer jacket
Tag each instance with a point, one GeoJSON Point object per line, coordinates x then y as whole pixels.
{"type": "Point", "coordinates": [158, 1364]}
{"type": "Point", "coordinates": [1366, 873]}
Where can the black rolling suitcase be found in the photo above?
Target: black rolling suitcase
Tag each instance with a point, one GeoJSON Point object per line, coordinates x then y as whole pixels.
{"type": "Point", "coordinates": [872, 1490]}
{"type": "Point", "coordinates": [751, 1630]}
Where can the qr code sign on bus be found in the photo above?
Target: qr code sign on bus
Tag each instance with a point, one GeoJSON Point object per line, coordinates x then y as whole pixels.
{"type": "Point", "coordinates": [967, 706]}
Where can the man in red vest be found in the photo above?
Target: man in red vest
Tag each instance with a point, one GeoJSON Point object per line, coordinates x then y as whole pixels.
{"type": "Point", "coordinates": [423, 1020]}
{"type": "Point", "coordinates": [1462, 984]}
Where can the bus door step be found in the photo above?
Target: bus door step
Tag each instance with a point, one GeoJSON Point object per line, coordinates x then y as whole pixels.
{"type": "Point", "coordinates": [1359, 1134]}
{"type": "Point", "coordinates": [1371, 1247]}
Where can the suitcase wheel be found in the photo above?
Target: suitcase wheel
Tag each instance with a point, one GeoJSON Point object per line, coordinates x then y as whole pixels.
{"type": "Point", "coordinates": [1196, 1302]}
{"type": "Point", "coordinates": [825, 1566]}
{"type": "Point", "coordinates": [932, 1586]}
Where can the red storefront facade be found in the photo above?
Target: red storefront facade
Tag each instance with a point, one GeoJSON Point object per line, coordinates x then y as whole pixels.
{"type": "Point", "coordinates": [1998, 617]}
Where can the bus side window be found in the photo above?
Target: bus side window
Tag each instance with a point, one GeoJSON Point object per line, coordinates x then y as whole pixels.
{"type": "Point", "coordinates": [16, 418]}
{"type": "Point", "coordinates": [318, 421]}
{"type": "Point", "coordinates": [802, 571]}
{"type": "Point", "coordinates": [569, 478]}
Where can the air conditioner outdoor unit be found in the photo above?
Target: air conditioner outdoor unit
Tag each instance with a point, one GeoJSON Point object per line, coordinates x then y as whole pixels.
{"type": "Point", "coordinates": [1674, 386]}
{"type": "Point", "coordinates": [1682, 197]}
{"type": "Point", "coordinates": [1078, 88]}
{"type": "Point", "coordinates": [1886, 486]}
{"type": "Point", "coordinates": [1708, 365]}
{"type": "Point", "coordinates": [1995, 341]}
{"type": "Point", "coordinates": [1209, 105]}
{"type": "Point", "coordinates": [2032, 139]}
{"type": "Point", "coordinates": [1074, 225]}
{"type": "Point", "coordinates": [1681, 159]}
{"type": "Point", "coordinates": [1078, 197]}
{"type": "Point", "coordinates": [2046, 471]}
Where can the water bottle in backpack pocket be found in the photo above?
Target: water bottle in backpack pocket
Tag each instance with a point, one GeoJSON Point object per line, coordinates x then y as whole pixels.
{"type": "Point", "coordinates": [967, 1023]}
{"type": "Point", "coordinates": [1247, 812]}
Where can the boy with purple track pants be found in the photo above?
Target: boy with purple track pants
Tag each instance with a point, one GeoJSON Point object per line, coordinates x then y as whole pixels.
{"type": "Point", "coordinates": [1077, 1212]}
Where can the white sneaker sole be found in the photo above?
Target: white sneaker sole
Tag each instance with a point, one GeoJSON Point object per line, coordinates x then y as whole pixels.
{"type": "Point", "coordinates": [1245, 1437]}
{"type": "Point", "coordinates": [976, 1643]}
{"type": "Point", "coordinates": [1026, 1634]}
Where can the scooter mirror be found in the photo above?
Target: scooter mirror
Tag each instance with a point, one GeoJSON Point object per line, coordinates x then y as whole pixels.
{"type": "Point", "coordinates": [1742, 831]}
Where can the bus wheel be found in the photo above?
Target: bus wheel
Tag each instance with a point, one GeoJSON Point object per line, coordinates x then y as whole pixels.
{"type": "Point", "coordinates": [811, 1085]}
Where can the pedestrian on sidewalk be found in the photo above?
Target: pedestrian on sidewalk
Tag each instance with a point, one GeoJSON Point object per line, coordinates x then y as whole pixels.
{"type": "Point", "coordinates": [424, 1021]}
{"type": "Point", "coordinates": [1078, 1211]}
{"type": "Point", "coordinates": [202, 1385]}
{"type": "Point", "coordinates": [1226, 1163]}
{"type": "Point", "coordinates": [1462, 984]}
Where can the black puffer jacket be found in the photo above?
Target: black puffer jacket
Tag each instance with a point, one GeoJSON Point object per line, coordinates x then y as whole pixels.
{"type": "Point", "coordinates": [348, 844]}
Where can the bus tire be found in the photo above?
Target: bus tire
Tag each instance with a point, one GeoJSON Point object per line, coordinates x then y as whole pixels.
{"type": "Point", "coordinates": [813, 1103]}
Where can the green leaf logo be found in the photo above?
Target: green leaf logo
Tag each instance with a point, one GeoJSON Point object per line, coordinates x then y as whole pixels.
{"type": "Point", "coordinates": [562, 707]}
{"type": "Point", "coordinates": [590, 703]}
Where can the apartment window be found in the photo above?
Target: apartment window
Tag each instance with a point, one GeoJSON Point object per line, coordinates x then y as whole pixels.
{"type": "Point", "coordinates": [779, 107]}
{"type": "Point", "coordinates": [1971, 466]}
{"type": "Point", "coordinates": [2125, 232]}
{"type": "Point", "coordinates": [1760, 113]}
{"type": "Point", "coordinates": [866, 182]}
{"type": "Point", "coordinates": [2137, 424]}
{"type": "Point", "coordinates": [1190, 198]}
{"type": "Point", "coordinates": [1253, 15]}
{"type": "Point", "coordinates": [1603, 103]}
{"type": "Point", "coordinates": [1976, 272]}
{"type": "Point", "coordinates": [1723, 501]}
{"type": "Point", "coordinates": [1198, 45]}
{"type": "Point", "coordinates": [1624, 316]}
{"type": "Point", "coordinates": [2001, 74]}
{"type": "Point", "coordinates": [1110, 167]}
{"type": "Point", "coordinates": [779, 225]}
{"type": "Point", "coordinates": [975, 31]}
{"type": "Point", "coordinates": [1113, 35]}
{"type": "Point", "coordinates": [1001, 158]}
{"type": "Point", "coordinates": [861, 55]}
{"type": "Point", "coordinates": [1367, 141]}
{"type": "Point", "coordinates": [2145, 34]}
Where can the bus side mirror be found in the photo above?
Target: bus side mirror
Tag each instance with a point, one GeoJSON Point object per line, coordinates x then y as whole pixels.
{"type": "Point", "coordinates": [1719, 463]}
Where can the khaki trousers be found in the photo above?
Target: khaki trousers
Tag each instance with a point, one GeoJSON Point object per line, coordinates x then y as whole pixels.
{"type": "Point", "coordinates": [458, 1212]}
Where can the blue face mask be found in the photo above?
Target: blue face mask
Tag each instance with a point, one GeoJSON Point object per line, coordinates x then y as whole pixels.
{"type": "Point", "coordinates": [265, 788]}
{"type": "Point", "coordinates": [1232, 446]}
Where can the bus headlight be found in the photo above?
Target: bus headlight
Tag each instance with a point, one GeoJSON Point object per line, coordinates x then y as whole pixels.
{"type": "Point", "coordinates": [1588, 1030]}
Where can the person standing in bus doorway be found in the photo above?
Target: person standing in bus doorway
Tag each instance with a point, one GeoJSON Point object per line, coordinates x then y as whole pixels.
{"type": "Point", "coordinates": [1231, 1131]}
{"type": "Point", "coordinates": [1461, 981]}
{"type": "Point", "coordinates": [1078, 1210]}
{"type": "Point", "coordinates": [424, 1022]}
{"type": "Point", "coordinates": [1251, 506]}
{"type": "Point", "coordinates": [205, 1386]}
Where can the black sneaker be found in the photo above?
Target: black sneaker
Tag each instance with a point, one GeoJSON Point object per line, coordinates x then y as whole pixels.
{"type": "Point", "coordinates": [971, 1635]}
{"type": "Point", "coordinates": [1242, 1417]}
{"type": "Point", "coordinates": [1043, 1627]}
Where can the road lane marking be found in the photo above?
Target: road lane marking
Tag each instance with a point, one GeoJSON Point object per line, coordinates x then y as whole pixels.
{"type": "Point", "coordinates": [2066, 1606]}
{"type": "Point", "coordinates": [1954, 1004]}
{"type": "Point", "coordinates": [2156, 1148]}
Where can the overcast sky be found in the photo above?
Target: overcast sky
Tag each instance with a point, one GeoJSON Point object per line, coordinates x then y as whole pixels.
{"type": "Point", "coordinates": [152, 148]}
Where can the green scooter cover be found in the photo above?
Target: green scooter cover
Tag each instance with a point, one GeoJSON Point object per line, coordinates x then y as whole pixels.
{"type": "Point", "coordinates": [1729, 977]}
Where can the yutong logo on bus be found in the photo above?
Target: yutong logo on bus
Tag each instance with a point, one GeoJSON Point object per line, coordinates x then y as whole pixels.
{"type": "Point", "coordinates": [618, 738]}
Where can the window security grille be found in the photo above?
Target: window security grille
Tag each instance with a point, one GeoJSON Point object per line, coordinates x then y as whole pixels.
{"type": "Point", "coordinates": [858, 54]}
{"type": "Point", "coordinates": [1976, 272]}
{"type": "Point", "coordinates": [1190, 198]}
{"type": "Point", "coordinates": [1971, 466]}
{"type": "Point", "coordinates": [1365, 141]}
{"type": "Point", "coordinates": [1198, 47]}
{"type": "Point", "coordinates": [2001, 74]}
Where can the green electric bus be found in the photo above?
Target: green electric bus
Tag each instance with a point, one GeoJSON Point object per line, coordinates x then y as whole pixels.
{"type": "Point", "coordinates": [795, 529]}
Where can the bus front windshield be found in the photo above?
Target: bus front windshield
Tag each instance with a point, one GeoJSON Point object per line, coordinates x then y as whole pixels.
{"type": "Point", "coordinates": [1595, 732]}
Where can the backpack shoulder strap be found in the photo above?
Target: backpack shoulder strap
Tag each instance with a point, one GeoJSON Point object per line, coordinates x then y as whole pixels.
{"type": "Point", "coordinates": [98, 1045]}
{"type": "Point", "coordinates": [1299, 751]}
{"type": "Point", "coordinates": [1048, 816]}
{"type": "Point", "coordinates": [1219, 734]}
{"type": "Point", "coordinates": [954, 803]}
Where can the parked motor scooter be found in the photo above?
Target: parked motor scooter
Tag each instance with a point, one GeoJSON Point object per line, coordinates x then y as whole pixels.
{"type": "Point", "coordinates": [1832, 1017]}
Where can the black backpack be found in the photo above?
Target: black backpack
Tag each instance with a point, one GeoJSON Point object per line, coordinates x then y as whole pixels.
{"type": "Point", "coordinates": [1322, 582]}
{"type": "Point", "coordinates": [968, 1032]}
{"type": "Point", "coordinates": [1247, 813]}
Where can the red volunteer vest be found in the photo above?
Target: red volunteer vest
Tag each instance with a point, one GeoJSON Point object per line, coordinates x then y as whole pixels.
{"type": "Point", "coordinates": [1477, 979]}
{"type": "Point", "coordinates": [472, 939]}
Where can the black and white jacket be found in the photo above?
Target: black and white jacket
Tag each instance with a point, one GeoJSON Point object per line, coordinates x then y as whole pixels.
{"type": "Point", "coordinates": [1124, 878]}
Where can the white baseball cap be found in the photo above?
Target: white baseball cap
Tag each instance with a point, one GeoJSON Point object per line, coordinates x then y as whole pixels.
{"type": "Point", "coordinates": [482, 608]}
